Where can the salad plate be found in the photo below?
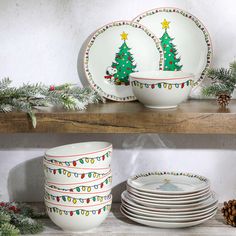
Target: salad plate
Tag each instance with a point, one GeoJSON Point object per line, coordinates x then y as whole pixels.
{"type": "Point", "coordinates": [171, 183]}
{"type": "Point", "coordinates": [172, 202]}
{"type": "Point", "coordinates": [164, 197]}
{"type": "Point", "coordinates": [116, 50]}
{"type": "Point", "coordinates": [185, 40]}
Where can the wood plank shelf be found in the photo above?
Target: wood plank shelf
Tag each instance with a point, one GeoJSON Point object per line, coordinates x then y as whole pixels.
{"type": "Point", "coordinates": [192, 117]}
{"type": "Point", "coordinates": [116, 225]}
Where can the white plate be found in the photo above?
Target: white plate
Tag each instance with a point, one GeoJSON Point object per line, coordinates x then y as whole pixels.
{"type": "Point", "coordinates": [169, 182]}
{"type": "Point", "coordinates": [172, 202]}
{"type": "Point", "coordinates": [104, 57]}
{"type": "Point", "coordinates": [158, 197]}
{"type": "Point", "coordinates": [166, 205]}
{"type": "Point", "coordinates": [170, 214]}
{"type": "Point", "coordinates": [208, 203]}
{"type": "Point", "coordinates": [167, 219]}
{"type": "Point", "coordinates": [188, 34]}
{"type": "Point", "coordinates": [168, 224]}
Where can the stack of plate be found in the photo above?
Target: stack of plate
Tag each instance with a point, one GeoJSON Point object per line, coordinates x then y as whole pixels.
{"type": "Point", "coordinates": [169, 199]}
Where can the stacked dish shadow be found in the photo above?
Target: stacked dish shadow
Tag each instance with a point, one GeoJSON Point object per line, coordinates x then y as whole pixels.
{"type": "Point", "coordinates": [169, 199]}
{"type": "Point", "coordinates": [78, 184]}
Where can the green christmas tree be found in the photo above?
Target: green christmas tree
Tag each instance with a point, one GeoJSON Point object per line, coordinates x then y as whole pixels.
{"type": "Point", "coordinates": [170, 53]}
{"type": "Point", "coordinates": [124, 64]}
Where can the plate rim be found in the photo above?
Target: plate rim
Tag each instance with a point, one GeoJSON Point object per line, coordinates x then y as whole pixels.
{"type": "Point", "coordinates": [90, 43]}
{"type": "Point", "coordinates": [197, 22]}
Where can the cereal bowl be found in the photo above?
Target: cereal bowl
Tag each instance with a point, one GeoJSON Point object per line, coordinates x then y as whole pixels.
{"type": "Point", "coordinates": [84, 155]}
{"type": "Point", "coordinates": [161, 89]}
{"type": "Point", "coordinates": [76, 199]}
{"type": "Point", "coordinates": [55, 173]}
{"type": "Point", "coordinates": [102, 184]}
{"type": "Point", "coordinates": [78, 219]}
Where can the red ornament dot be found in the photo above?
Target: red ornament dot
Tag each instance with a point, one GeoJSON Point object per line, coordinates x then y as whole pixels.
{"type": "Point", "coordinates": [82, 176]}
{"type": "Point", "coordinates": [171, 62]}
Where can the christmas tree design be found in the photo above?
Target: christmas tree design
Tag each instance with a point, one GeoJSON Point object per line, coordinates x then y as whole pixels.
{"type": "Point", "coordinates": [170, 53]}
{"type": "Point", "coordinates": [168, 186]}
{"type": "Point", "coordinates": [118, 73]}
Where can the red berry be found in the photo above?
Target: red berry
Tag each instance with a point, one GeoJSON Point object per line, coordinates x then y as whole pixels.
{"type": "Point", "coordinates": [52, 88]}
{"type": "Point", "coordinates": [2, 204]}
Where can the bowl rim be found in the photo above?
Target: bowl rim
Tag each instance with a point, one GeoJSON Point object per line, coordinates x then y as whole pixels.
{"type": "Point", "coordinates": [61, 205]}
{"type": "Point", "coordinates": [138, 75]}
{"type": "Point", "coordinates": [83, 182]}
{"type": "Point", "coordinates": [45, 162]}
{"type": "Point", "coordinates": [79, 154]}
{"type": "Point", "coordinates": [68, 192]}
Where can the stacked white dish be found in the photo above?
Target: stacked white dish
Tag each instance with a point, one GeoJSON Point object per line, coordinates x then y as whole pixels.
{"type": "Point", "coordinates": [78, 185]}
{"type": "Point", "coordinates": [169, 199]}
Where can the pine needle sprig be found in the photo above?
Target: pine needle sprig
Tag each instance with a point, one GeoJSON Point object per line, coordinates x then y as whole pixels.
{"type": "Point", "coordinates": [29, 97]}
{"type": "Point", "coordinates": [223, 81]}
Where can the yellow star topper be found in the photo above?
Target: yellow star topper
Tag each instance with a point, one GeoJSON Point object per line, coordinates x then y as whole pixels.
{"type": "Point", "coordinates": [124, 36]}
{"type": "Point", "coordinates": [165, 24]}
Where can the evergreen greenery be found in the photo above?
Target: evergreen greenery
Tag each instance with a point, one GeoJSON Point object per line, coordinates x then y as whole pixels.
{"type": "Point", "coordinates": [223, 81]}
{"type": "Point", "coordinates": [29, 97]}
{"type": "Point", "coordinates": [16, 219]}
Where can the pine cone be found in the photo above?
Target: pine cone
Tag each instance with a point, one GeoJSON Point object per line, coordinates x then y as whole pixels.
{"type": "Point", "coordinates": [229, 212]}
{"type": "Point", "coordinates": [223, 99]}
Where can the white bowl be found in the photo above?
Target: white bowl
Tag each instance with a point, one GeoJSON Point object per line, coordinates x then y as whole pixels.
{"type": "Point", "coordinates": [55, 173]}
{"type": "Point", "coordinates": [99, 185]}
{"type": "Point", "coordinates": [76, 199]}
{"type": "Point", "coordinates": [78, 219]}
{"type": "Point", "coordinates": [161, 89]}
{"type": "Point", "coordinates": [84, 155]}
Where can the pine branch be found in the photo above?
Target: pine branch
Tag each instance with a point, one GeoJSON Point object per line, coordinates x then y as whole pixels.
{"type": "Point", "coordinates": [8, 229]}
{"type": "Point", "coordinates": [223, 81]}
{"type": "Point", "coordinates": [30, 96]}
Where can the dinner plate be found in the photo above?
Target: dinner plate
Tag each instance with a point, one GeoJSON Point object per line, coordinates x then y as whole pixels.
{"type": "Point", "coordinates": [161, 197]}
{"type": "Point", "coordinates": [115, 51]}
{"type": "Point", "coordinates": [167, 219]}
{"type": "Point", "coordinates": [170, 214]}
{"type": "Point", "coordinates": [185, 40]}
{"type": "Point", "coordinates": [160, 224]}
{"type": "Point", "coordinates": [175, 183]}
{"type": "Point", "coordinates": [203, 205]}
{"type": "Point", "coordinates": [172, 202]}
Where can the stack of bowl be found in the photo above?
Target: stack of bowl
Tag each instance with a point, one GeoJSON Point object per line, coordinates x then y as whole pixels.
{"type": "Point", "coordinates": [78, 185]}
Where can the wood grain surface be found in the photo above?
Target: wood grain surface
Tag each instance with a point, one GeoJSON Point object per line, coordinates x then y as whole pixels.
{"type": "Point", "coordinates": [193, 117]}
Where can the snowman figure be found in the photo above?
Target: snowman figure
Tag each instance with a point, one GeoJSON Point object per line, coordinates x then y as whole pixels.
{"type": "Point", "coordinates": [110, 71]}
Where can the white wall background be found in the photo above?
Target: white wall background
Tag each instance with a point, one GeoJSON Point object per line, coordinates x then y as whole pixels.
{"type": "Point", "coordinates": [40, 41]}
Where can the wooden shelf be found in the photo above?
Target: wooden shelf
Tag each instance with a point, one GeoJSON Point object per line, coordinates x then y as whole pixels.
{"type": "Point", "coordinates": [195, 117]}
{"type": "Point", "coordinates": [116, 224]}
